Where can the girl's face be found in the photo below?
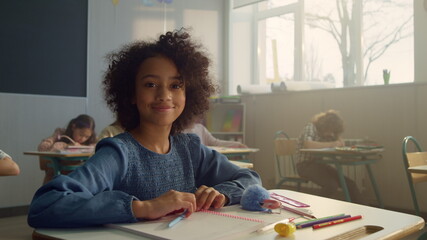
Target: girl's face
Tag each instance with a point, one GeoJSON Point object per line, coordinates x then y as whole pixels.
{"type": "Point", "coordinates": [81, 135]}
{"type": "Point", "coordinates": [159, 92]}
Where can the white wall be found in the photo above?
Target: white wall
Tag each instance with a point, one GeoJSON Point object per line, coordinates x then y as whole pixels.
{"type": "Point", "coordinates": [26, 119]}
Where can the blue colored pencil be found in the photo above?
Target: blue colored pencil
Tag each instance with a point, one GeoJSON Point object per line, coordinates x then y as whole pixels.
{"type": "Point", "coordinates": [178, 219]}
{"type": "Point", "coordinates": [312, 223]}
{"type": "Point", "coordinates": [311, 220]}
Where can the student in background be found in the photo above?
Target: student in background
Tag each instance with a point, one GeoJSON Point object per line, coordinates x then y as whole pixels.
{"type": "Point", "coordinates": [79, 131]}
{"type": "Point", "coordinates": [207, 139]}
{"type": "Point", "coordinates": [7, 166]}
{"type": "Point", "coordinates": [156, 89]}
{"type": "Point", "coordinates": [324, 131]}
{"type": "Point", "coordinates": [111, 130]}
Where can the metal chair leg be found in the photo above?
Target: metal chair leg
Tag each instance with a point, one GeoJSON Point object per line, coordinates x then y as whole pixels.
{"type": "Point", "coordinates": [374, 185]}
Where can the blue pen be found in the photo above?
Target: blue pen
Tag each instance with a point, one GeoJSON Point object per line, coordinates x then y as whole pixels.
{"type": "Point", "coordinates": [178, 219]}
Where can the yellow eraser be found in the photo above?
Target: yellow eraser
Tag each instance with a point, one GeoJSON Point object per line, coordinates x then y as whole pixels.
{"type": "Point", "coordinates": [285, 229]}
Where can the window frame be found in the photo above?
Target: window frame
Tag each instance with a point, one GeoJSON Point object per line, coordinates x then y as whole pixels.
{"type": "Point", "coordinates": [298, 9]}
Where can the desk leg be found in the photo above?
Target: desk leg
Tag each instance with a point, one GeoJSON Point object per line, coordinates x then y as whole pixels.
{"type": "Point", "coordinates": [342, 182]}
{"type": "Point", "coordinates": [374, 185]}
{"type": "Point", "coordinates": [55, 163]}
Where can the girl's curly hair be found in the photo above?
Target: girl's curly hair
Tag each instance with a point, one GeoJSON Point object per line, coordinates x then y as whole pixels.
{"type": "Point", "coordinates": [192, 64]}
{"type": "Point", "coordinates": [331, 121]}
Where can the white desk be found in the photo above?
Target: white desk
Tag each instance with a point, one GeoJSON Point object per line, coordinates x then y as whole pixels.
{"type": "Point", "coordinates": [395, 225]}
{"type": "Point", "coordinates": [235, 152]}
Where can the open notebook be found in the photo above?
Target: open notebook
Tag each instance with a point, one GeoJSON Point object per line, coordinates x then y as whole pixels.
{"type": "Point", "coordinates": [226, 223]}
{"type": "Point", "coordinates": [78, 149]}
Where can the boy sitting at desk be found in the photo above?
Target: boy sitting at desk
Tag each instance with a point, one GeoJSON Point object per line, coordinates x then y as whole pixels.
{"type": "Point", "coordinates": [324, 131]}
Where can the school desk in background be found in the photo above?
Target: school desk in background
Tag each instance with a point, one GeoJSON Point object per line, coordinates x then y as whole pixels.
{"type": "Point", "coordinates": [349, 156]}
{"type": "Point", "coordinates": [63, 161]}
{"type": "Point", "coordinates": [235, 152]}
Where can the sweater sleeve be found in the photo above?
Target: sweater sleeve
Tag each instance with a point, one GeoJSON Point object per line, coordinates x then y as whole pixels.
{"type": "Point", "coordinates": [46, 145]}
{"type": "Point", "coordinates": [215, 170]}
{"type": "Point", "coordinates": [86, 197]}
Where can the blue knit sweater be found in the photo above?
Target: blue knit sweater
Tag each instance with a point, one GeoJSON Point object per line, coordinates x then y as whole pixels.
{"type": "Point", "coordinates": [122, 170]}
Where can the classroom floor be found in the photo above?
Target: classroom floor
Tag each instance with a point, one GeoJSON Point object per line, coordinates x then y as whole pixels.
{"type": "Point", "coordinates": [16, 228]}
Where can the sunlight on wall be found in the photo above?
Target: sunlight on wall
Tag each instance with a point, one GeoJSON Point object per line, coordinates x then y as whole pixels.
{"type": "Point", "coordinates": [204, 24]}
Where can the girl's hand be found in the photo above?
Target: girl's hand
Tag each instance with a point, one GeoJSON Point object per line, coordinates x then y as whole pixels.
{"type": "Point", "coordinates": [209, 197]}
{"type": "Point", "coordinates": [58, 146]}
{"type": "Point", "coordinates": [166, 203]}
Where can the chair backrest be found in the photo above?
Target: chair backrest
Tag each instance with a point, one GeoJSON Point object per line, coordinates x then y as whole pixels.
{"type": "Point", "coordinates": [416, 158]}
{"type": "Point", "coordinates": [412, 159]}
{"type": "Point", "coordinates": [285, 149]}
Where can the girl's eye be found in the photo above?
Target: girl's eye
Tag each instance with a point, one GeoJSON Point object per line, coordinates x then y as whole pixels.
{"type": "Point", "coordinates": [150, 84]}
{"type": "Point", "coordinates": [177, 85]}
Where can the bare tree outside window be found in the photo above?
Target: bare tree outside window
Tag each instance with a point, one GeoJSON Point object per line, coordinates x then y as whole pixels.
{"type": "Point", "coordinates": [314, 44]}
{"type": "Point", "coordinates": [363, 32]}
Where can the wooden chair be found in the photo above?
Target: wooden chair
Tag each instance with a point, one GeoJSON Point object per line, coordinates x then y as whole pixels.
{"type": "Point", "coordinates": [411, 159]}
{"type": "Point", "coordinates": [284, 152]}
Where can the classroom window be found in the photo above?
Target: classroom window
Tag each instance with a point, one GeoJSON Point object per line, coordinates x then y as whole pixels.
{"type": "Point", "coordinates": [276, 48]}
{"type": "Point", "coordinates": [315, 44]}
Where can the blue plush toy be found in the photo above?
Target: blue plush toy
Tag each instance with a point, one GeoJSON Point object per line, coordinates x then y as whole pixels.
{"type": "Point", "coordinates": [254, 197]}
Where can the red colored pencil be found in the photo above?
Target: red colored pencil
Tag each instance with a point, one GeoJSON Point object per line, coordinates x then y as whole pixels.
{"type": "Point", "coordinates": [326, 224]}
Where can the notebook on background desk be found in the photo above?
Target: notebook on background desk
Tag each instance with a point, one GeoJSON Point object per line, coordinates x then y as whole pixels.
{"type": "Point", "coordinates": [78, 149]}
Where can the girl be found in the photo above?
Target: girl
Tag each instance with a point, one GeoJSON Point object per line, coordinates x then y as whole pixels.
{"type": "Point", "coordinates": [156, 89]}
{"type": "Point", "coordinates": [80, 131]}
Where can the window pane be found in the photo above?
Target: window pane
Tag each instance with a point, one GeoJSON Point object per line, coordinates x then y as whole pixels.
{"type": "Point", "coordinates": [241, 50]}
{"type": "Point", "coordinates": [322, 57]}
{"type": "Point", "coordinates": [344, 43]}
{"type": "Point", "coordinates": [388, 41]}
{"type": "Point", "coordinates": [276, 49]}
